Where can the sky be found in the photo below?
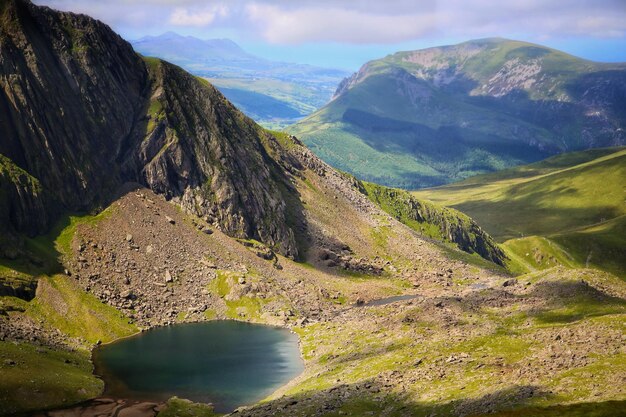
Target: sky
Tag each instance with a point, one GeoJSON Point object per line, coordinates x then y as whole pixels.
{"type": "Point", "coordinates": [347, 33]}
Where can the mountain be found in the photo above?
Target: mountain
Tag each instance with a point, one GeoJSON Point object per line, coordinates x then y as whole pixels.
{"type": "Point", "coordinates": [189, 50]}
{"type": "Point", "coordinates": [275, 94]}
{"type": "Point", "coordinates": [134, 195]}
{"type": "Point", "coordinates": [82, 103]}
{"type": "Point", "coordinates": [429, 117]}
{"type": "Point", "coordinates": [98, 107]}
{"type": "Point", "coordinates": [568, 209]}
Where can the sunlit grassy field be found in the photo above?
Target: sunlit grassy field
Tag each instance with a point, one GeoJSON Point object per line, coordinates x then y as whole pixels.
{"type": "Point", "coordinates": [575, 201]}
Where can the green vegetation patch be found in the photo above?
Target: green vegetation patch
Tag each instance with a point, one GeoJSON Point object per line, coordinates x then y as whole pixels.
{"type": "Point", "coordinates": [63, 305]}
{"type": "Point", "coordinates": [34, 378]}
{"type": "Point", "coordinates": [569, 208]}
{"type": "Point", "coordinates": [17, 175]}
{"type": "Point", "coordinates": [237, 306]}
{"type": "Point", "coordinates": [579, 307]}
{"type": "Point", "coordinates": [534, 253]}
{"type": "Point", "coordinates": [177, 407]}
{"type": "Point", "coordinates": [434, 221]}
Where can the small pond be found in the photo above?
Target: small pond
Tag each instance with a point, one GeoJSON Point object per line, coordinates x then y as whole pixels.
{"type": "Point", "coordinates": [226, 363]}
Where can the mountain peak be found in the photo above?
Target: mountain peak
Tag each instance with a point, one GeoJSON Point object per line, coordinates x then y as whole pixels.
{"type": "Point", "coordinates": [509, 101]}
{"type": "Point", "coordinates": [146, 122]}
{"type": "Point", "coordinates": [169, 35]}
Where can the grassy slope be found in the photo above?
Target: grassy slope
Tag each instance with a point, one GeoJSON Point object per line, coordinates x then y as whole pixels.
{"type": "Point", "coordinates": [68, 379]}
{"type": "Point", "coordinates": [513, 337]}
{"type": "Point", "coordinates": [349, 148]}
{"type": "Point", "coordinates": [63, 305]}
{"type": "Point", "coordinates": [434, 221]}
{"type": "Point", "coordinates": [575, 200]}
{"type": "Point", "coordinates": [43, 255]}
{"type": "Point", "coordinates": [59, 304]}
{"type": "Point", "coordinates": [406, 159]}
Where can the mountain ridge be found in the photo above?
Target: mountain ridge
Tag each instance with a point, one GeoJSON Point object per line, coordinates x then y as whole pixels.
{"type": "Point", "coordinates": [432, 116]}
{"type": "Point", "coordinates": [156, 125]}
{"type": "Point", "coordinates": [221, 49]}
{"type": "Point", "coordinates": [142, 128]}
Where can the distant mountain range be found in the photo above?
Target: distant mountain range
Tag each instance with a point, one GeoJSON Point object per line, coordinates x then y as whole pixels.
{"type": "Point", "coordinates": [429, 117]}
{"type": "Point", "coordinates": [273, 93]}
{"type": "Point", "coordinates": [198, 54]}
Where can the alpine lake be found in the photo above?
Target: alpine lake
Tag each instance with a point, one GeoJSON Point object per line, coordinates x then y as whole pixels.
{"type": "Point", "coordinates": [226, 363]}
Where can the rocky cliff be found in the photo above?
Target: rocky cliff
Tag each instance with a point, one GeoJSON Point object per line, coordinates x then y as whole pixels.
{"type": "Point", "coordinates": [81, 113]}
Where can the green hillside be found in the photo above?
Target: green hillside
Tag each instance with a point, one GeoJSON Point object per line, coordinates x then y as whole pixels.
{"type": "Point", "coordinates": [423, 118]}
{"type": "Point", "coordinates": [569, 209]}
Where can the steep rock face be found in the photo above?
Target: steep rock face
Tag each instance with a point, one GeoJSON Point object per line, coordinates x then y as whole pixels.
{"type": "Point", "coordinates": [202, 151]}
{"type": "Point", "coordinates": [82, 113]}
{"type": "Point", "coordinates": [70, 90]}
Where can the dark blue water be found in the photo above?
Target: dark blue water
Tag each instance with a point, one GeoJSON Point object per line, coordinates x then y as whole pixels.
{"type": "Point", "coordinates": [226, 363]}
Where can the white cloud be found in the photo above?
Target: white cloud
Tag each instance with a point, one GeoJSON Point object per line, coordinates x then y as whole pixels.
{"type": "Point", "coordinates": [203, 17]}
{"type": "Point", "coordinates": [334, 24]}
{"type": "Point", "coordinates": [367, 23]}
{"type": "Point", "coordinates": [362, 21]}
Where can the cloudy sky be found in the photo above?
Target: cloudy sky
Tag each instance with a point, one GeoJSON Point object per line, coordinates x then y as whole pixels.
{"type": "Point", "coordinates": [346, 33]}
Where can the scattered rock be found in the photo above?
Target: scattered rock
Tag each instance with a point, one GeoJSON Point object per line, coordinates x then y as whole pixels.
{"type": "Point", "coordinates": [509, 282]}
{"type": "Point", "coordinates": [128, 294]}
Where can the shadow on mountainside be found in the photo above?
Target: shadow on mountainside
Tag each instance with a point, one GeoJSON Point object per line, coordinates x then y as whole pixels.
{"type": "Point", "coordinates": [373, 397]}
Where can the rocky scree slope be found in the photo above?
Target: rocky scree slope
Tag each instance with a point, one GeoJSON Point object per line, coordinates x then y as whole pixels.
{"type": "Point", "coordinates": [77, 101]}
{"type": "Point", "coordinates": [432, 116]}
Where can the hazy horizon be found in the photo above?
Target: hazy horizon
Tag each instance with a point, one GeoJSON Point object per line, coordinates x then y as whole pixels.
{"type": "Point", "coordinates": [345, 35]}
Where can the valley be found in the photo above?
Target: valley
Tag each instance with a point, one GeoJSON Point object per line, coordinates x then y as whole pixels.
{"type": "Point", "coordinates": [274, 94]}
{"type": "Point", "coordinates": [542, 334]}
